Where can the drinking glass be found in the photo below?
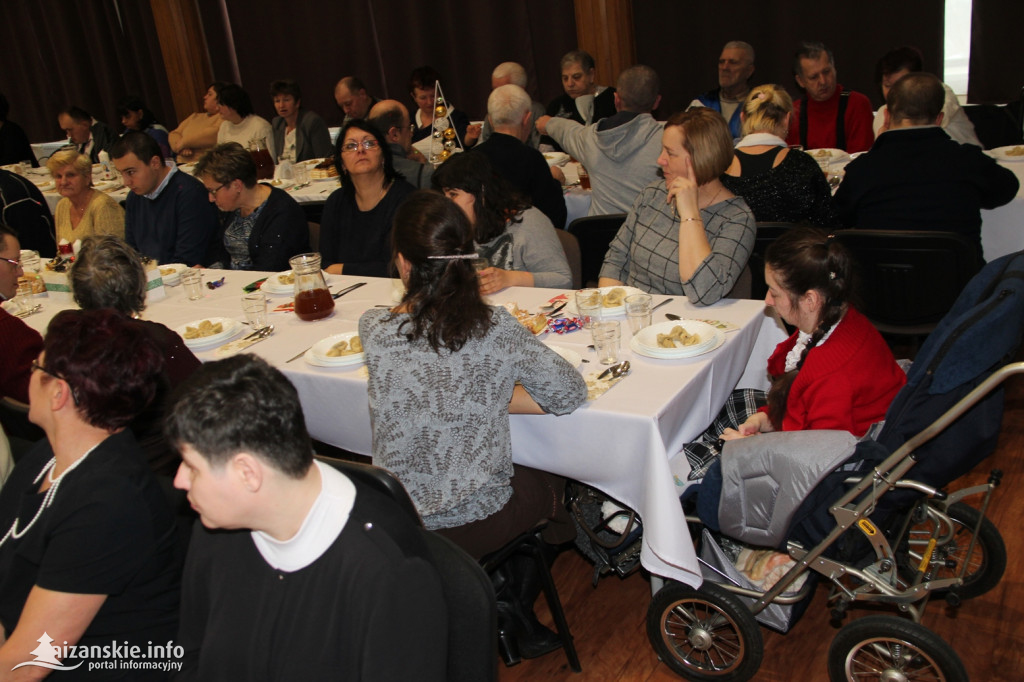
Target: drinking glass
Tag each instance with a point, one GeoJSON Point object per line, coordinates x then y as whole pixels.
{"type": "Point", "coordinates": [589, 306]}
{"type": "Point", "coordinates": [480, 263]}
{"type": "Point", "coordinates": [192, 279]}
{"type": "Point", "coordinates": [584, 178]}
{"type": "Point", "coordinates": [606, 337]}
{"type": "Point", "coordinates": [30, 260]}
{"type": "Point", "coordinates": [254, 306]}
{"type": "Point", "coordinates": [638, 312]}
{"type": "Point", "coordinates": [23, 295]}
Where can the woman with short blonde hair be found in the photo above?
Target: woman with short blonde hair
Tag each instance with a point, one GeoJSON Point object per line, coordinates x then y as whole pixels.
{"type": "Point", "coordinates": [84, 210]}
{"type": "Point", "coordinates": [780, 184]}
{"type": "Point", "coordinates": [686, 234]}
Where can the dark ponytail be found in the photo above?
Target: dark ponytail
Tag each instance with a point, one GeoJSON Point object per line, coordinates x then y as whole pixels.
{"type": "Point", "coordinates": [805, 259]}
{"type": "Point", "coordinates": [442, 294]}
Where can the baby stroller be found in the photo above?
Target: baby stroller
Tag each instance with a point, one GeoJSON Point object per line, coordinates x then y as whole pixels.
{"type": "Point", "coordinates": [870, 518]}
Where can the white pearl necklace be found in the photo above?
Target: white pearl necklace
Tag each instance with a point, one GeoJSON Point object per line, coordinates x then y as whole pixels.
{"type": "Point", "coordinates": [51, 493]}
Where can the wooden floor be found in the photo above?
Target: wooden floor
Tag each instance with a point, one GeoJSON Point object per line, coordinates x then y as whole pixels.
{"type": "Point", "coordinates": [608, 622]}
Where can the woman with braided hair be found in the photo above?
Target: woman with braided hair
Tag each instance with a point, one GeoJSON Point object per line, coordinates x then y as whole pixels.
{"type": "Point", "coordinates": [834, 372]}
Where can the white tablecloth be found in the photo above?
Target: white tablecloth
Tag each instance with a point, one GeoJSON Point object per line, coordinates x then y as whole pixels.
{"type": "Point", "coordinates": [622, 443]}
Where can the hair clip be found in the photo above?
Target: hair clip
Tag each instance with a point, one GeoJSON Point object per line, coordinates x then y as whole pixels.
{"type": "Point", "coordinates": [457, 256]}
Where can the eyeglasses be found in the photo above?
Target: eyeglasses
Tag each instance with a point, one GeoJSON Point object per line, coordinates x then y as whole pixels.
{"type": "Point", "coordinates": [213, 192]}
{"type": "Point", "coordinates": [36, 366]}
{"type": "Point", "coordinates": [16, 262]}
{"type": "Point", "coordinates": [366, 146]}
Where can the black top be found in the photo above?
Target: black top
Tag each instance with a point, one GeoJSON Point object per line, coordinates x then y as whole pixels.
{"type": "Point", "coordinates": [108, 531]}
{"type": "Point", "coordinates": [525, 168]}
{"type": "Point", "coordinates": [14, 146]}
{"type": "Point", "coordinates": [795, 191]}
{"type": "Point", "coordinates": [369, 608]}
{"type": "Point", "coordinates": [920, 179]}
{"type": "Point", "coordinates": [103, 136]}
{"type": "Point", "coordinates": [361, 240]}
{"type": "Point", "coordinates": [23, 207]}
{"type": "Point", "coordinates": [280, 232]}
{"type": "Point", "coordinates": [564, 106]}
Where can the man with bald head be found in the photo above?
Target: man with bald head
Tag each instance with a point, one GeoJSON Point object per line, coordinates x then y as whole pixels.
{"type": "Point", "coordinates": [915, 177]}
{"type": "Point", "coordinates": [391, 118]}
{"type": "Point", "coordinates": [509, 112]}
{"type": "Point", "coordinates": [619, 152]}
{"type": "Point", "coordinates": [512, 73]}
{"type": "Point", "coordinates": [735, 67]}
{"type": "Point", "coordinates": [352, 98]}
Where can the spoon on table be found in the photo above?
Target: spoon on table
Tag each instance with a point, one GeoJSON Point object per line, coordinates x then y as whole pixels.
{"type": "Point", "coordinates": [667, 300]}
{"type": "Point", "coordinates": [673, 317]}
{"type": "Point", "coordinates": [261, 333]}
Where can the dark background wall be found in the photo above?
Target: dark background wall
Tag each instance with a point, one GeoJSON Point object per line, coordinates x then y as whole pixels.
{"type": "Point", "coordinates": [93, 52]}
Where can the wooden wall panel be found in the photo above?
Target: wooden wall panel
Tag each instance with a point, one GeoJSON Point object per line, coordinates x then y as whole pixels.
{"type": "Point", "coordinates": [180, 32]}
{"type": "Point", "coordinates": [604, 28]}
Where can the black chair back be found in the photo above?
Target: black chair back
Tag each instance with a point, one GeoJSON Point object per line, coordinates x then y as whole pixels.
{"type": "Point", "coordinates": [909, 279]}
{"type": "Point", "coordinates": [996, 125]}
{"type": "Point", "coordinates": [766, 234]}
{"type": "Point", "coordinates": [472, 611]}
{"type": "Point", "coordinates": [594, 234]}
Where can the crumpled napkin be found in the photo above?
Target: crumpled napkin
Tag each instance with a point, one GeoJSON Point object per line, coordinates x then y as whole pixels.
{"type": "Point", "coordinates": [598, 387]}
{"type": "Point", "coordinates": [235, 347]}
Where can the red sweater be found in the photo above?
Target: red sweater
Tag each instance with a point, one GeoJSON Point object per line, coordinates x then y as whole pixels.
{"type": "Point", "coordinates": [821, 122]}
{"type": "Point", "coordinates": [846, 383]}
{"type": "Point", "coordinates": [19, 346]}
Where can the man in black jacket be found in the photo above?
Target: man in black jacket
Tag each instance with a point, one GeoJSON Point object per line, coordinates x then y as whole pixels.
{"type": "Point", "coordinates": [915, 177]}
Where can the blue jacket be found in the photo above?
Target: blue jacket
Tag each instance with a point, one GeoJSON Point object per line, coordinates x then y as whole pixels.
{"type": "Point", "coordinates": [711, 101]}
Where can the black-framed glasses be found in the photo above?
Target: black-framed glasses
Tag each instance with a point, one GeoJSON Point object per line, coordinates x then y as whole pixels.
{"type": "Point", "coordinates": [213, 192]}
{"type": "Point", "coordinates": [36, 366]}
{"type": "Point", "coordinates": [16, 262]}
{"type": "Point", "coordinates": [366, 146]}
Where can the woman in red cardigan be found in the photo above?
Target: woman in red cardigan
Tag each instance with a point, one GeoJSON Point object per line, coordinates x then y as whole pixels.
{"type": "Point", "coordinates": [835, 371]}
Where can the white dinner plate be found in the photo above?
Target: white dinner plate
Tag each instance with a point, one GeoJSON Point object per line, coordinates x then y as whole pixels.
{"type": "Point", "coordinates": [44, 185]}
{"type": "Point", "coordinates": [319, 352]}
{"type": "Point", "coordinates": [612, 311]}
{"type": "Point", "coordinates": [273, 284]}
{"type": "Point", "coordinates": [105, 185]}
{"type": "Point", "coordinates": [567, 354]}
{"type": "Point", "coordinates": [647, 338]}
{"type": "Point", "coordinates": [174, 278]}
{"type": "Point", "coordinates": [634, 345]}
{"type": "Point", "coordinates": [1013, 153]}
{"type": "Point", "coordinates": [281, 183]}
{"type": "Point", "coordinates": [231, 328]}
{"type": "Point", "coordinates": [829, 155]}
{"type": "Point", "coordinates": [556, 158]}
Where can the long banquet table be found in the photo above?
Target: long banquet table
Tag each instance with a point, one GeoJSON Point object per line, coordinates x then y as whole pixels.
{"type": "Point", "coordinates": [623, 443]}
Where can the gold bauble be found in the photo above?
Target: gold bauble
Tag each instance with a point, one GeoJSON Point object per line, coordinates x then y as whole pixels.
{"type": "Point", "coordinates": [449, 134]}
{"type": "Point", "coordinates": [440, 110]}
{"type": "Point", "coordinates": [444, 154]}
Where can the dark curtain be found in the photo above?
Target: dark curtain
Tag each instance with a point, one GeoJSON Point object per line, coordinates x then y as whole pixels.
{"type": "Point", "coordinates": [997, 59]}
{"type": "Point", "coordinates": [682, 40]}
{"type": "Point", "coordinates": [89, 53]}
{"type": "Point", "coordinates": [382, 41]}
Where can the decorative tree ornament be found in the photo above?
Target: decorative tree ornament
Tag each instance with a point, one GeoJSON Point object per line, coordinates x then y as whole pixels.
{"type": "Point", "coordinates": [444, 141]}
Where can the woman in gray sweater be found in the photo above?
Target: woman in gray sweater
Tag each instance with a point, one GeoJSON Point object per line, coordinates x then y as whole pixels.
{"type": "Point", "coordinates": [445, 372]}
{"type": "Point", "coordinates": [517, 239]}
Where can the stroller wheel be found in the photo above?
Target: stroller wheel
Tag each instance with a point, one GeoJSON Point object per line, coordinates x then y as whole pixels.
{"type": "Point", "coordinates": [891, 648]}
{"type": "Point", "coordinates": [987, 562]}
{"type": "Point", "coordinates": [705, 634]}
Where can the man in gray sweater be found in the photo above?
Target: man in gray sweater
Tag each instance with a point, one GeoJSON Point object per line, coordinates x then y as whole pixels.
{"type": "Point", "coordinates": [619, 152]}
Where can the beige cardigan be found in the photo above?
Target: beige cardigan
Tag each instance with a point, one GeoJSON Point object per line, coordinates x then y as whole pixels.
{"type": "Point", "coordinates": [103, 215]}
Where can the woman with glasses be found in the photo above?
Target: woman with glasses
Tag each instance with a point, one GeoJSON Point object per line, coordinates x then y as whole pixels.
{"type": "Point", "coordinates": [88, 542]}
{"type": "Point", "coordinates": [355, 231]}
{"type": "Point", "coordinates": [262, 226]}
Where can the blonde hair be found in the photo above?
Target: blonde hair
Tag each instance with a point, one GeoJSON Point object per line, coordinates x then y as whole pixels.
{"type": "Point", "coordinates": [765, 109]}
{"type": "Point", "coordinates": [707, 139]}
{"type": "Point", "coordinates": [70, 157]}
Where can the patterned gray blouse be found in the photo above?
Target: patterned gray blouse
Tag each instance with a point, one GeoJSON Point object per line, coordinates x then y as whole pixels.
{"type": "Point", "coordinates": [440, 420]}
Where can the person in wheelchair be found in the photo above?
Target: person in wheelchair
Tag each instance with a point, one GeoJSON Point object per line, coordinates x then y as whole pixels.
{"type": "Point", "coordinates": [834, 372]}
